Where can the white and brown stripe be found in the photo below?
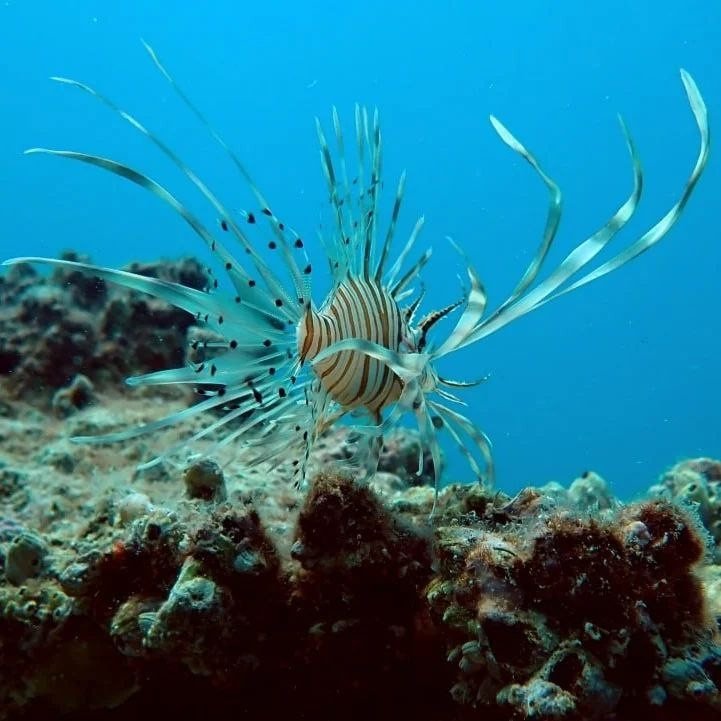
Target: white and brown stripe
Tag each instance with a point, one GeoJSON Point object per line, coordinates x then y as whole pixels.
{"type": "Point", "coordinates": [357, 308]}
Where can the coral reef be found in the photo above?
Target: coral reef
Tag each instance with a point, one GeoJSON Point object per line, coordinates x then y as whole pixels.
{"type": "Point", "coordinates": [53, 328]}
{"type": "Point", "coordinates": [218, 588]}
{"type": "Point", "coordinates": [336, 605]}
{"type": "Point", "coordinates": [556, 614]}
{"type": "Point", "coordinates": [358, 593]}
{"type": "Point", "coordinates": [696, 482]}
{"type": "Point", "coordinates": [201, 593]}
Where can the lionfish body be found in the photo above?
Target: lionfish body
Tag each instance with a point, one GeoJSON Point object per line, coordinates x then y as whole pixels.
{"type": "Point", "coordinates": [357, 308]}
{"type": "Point", "coordinates": [289, 369]}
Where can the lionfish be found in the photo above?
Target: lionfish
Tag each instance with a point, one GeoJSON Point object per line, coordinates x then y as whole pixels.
{"type": "Point", "coordinates": [287, 369]}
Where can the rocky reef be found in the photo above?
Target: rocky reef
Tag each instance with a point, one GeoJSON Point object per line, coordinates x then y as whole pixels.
{"type": "Point", "coordinates": [54, 328]}
{"type": "Point", "coordinates": [696, 482]}
{"type": "Point", "coordinates": [337, 606]}
{"type": "Point", "coordinates": [220, 589]}
{"type": "Point", "coordinates": [559, 614]}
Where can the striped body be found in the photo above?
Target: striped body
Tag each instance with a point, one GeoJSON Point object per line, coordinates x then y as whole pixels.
{"type": "Point", "coordinates": [356, 308]}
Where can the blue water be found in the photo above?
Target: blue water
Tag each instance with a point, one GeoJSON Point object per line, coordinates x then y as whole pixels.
{"type": "Point", "coordinates": [620, 377]}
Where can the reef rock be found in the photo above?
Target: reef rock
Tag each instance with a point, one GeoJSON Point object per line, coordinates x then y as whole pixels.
{"type": "Point", "coordinates": [696, 483]}
{"type": "Point", "coordinates": [55, 327]}
{"type": "Point", "coordinates": [554, 614]}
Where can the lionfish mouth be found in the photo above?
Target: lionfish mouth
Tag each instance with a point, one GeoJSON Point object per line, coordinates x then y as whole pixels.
{"type": "Point", "coordinates": [290, 368]}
